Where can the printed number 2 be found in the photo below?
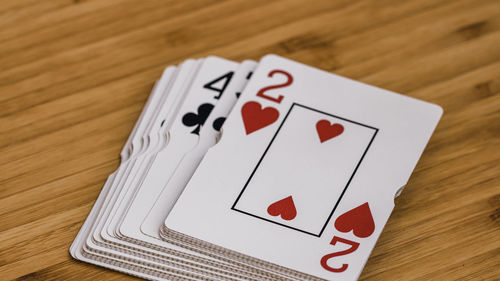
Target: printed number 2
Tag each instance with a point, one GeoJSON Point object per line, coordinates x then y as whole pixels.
{"type": "Point", "coordinates": [288, 81]}
{"type": "Point", "coordinates": [324, 260]}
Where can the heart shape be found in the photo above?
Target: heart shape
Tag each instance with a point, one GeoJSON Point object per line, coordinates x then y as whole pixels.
{"type": "Point", "coordinates": [255, 117]}
{"type": "Point", "coordinates": [359, 220]}
{"type": "Point", "coordinates": [284, 207]}
{"type": "Point", "coordinates": [327, 131]}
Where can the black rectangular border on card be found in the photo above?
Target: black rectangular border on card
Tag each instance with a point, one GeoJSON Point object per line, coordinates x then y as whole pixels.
{"type": "Point", "coordinates": [341, 195]}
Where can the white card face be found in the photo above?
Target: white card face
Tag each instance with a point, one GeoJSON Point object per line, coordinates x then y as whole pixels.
{"type": "Point", "coordinates": [190, 161]}
{"type": "Point", "coordinates": [171, 92]}
{"type": "Point", "coordinates": [210, 81]}
{"type": "Point", "coordinates": [280, 188]}
{"type": "Point", "coordinates": [306, 171]}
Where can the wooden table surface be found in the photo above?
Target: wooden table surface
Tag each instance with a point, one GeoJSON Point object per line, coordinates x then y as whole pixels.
{"type": "Point", "coordinates": [74, 76]}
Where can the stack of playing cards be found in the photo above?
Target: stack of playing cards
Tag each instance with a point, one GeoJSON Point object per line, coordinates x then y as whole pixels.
{"type": "Point", "coordinates": [255, 171]}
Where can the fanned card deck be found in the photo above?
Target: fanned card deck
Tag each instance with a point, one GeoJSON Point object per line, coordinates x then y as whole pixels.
{"type": "Point", "coordinates": [270, 170]}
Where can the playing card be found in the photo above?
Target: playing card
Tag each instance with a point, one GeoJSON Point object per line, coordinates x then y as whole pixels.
{"type": "Point", "coordinates": [156, 140]}
{"type": "Point", "coordinates": [305, 173]}
{"type": "Point", "coordinates": [298, 187]}
{"type": "Point", "coordinates": [187, 166]}
{"type": "Point", "coordinates": [206, 89]}
{"type": "Point", "coordinates": [151, 142]}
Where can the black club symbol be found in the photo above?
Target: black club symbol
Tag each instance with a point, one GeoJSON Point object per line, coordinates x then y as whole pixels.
{"type": "Point", "coordinates": [191, 119]}
{"type": "Point", "coordinates": [217, 124]}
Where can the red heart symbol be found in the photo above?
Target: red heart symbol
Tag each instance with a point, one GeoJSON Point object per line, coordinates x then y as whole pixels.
{"type": "Point", "coordinates": [359, 220]}
{"type": "Point", "coordinates": [328, 131]}
{"type": "Point", "coordinates": [255, 117]}
{"type": "Point", "coordinates": [283, 207]}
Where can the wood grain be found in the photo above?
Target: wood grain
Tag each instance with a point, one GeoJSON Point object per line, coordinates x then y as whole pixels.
{"type": "Point", "coordinates": [74, 76]}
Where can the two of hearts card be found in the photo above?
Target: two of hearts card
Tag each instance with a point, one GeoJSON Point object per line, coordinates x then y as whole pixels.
{"type": "Point", "coordinates": [269, 170]}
